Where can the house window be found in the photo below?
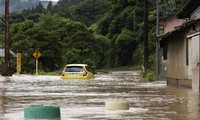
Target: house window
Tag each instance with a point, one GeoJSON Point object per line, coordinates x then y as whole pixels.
{"type": "Point", "coordinates": [161, 29]}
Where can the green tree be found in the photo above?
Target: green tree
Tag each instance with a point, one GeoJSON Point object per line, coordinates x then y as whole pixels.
{"type": "Point", "coordinates": [125, 45]}
{"type": "Point", "coordinates": [62, 7]}
{"type": "Point", "coordinates": [39, 8]}
{"type": "Point", "coordinates": [49, 42]}
{"type": "Point", "coordinates": [44, 36]}
{"type": "Point", "coordinates": [50, 7]}
{"type": "Point", "coordinates": [84, 46]}
{"type": "Point", "coordinates": [23, 42]}
{"type": "Point", "coordinates": [103, 24]}
{"type": "Point", "coordinates": [89, 11]}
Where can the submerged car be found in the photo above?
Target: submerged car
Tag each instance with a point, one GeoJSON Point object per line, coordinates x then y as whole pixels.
{"type": "Point", "coordinates": [77, 71]}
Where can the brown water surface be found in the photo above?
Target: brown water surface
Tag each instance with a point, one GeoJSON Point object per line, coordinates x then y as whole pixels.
{"type": "Point", "coordinates": [85, 99]}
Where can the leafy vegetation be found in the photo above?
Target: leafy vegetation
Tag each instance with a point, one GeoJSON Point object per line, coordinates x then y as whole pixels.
{"type": "Point", "coordinates": [149, 75]}
{"type": "Point", "coordinates": [101, 33]}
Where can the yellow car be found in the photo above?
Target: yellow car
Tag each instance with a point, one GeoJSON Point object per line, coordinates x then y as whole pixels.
{"type": "Point", "coordinates": [77, 71]}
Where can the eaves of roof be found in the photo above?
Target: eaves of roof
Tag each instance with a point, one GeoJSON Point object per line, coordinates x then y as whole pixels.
{"type": "Point", "coordinates": [179, 28]}
{"type": "Point", "coordinates": [188, 9]}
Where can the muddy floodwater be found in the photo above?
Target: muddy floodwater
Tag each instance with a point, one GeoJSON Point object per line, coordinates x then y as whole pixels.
{"type": "Point", "coordinates": [85, 99]}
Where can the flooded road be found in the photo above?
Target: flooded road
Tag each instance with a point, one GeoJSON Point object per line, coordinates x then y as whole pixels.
{"type": "Point", "coordinates": [85, 99]}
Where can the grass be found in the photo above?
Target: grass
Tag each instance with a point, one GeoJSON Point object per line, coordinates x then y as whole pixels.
{"type": "Point", "coordinates": [150, 75]}
{"type": "Point", "coordinates": [58, 72]}
{"type": "Point", "coordinates": [126, 68]}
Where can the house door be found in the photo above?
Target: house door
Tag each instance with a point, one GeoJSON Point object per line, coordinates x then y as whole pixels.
{"type": "Point", "coordinates": [193, 60]}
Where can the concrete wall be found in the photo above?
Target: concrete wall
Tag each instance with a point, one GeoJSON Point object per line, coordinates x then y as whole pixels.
{"type": "Point", "coordinates": [179, 82]}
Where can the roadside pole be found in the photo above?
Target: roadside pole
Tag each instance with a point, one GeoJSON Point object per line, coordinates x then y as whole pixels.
{"type": "Point", "coordinates": [6, 64]}
{"type": "Point", "coordinates": [36, 67]}
{"type": "Point", "coordinates": [157, 34]}
{"type": "Point", "coordinates": [19, 63]}
{"type": "Point", "coordinates": [37, 55]}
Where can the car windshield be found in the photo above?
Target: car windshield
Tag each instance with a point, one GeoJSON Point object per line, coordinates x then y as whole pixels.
{"type": "Point", "coordinates": [74, 69]}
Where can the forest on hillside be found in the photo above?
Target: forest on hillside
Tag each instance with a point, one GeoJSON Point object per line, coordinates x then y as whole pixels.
{"type": "Point", "coordinates": [19, 5]}
{"type": "Point", "coordinates": [101, 33]}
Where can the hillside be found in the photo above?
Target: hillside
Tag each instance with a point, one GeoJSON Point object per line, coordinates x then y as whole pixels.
{"type": "Point", "coordinates": [101, 33]}
{"type": "Point", "coordinates": [19, 5]}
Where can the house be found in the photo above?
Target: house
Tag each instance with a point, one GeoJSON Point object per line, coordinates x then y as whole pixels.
{"type": "Point", "coordinates": [183, 48]}
{"type": "Point", "coordinates": [166, 25]}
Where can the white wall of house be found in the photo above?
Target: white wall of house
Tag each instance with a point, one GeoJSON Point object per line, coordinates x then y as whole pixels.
{"type": "Point", "coordinates": [193, 61]}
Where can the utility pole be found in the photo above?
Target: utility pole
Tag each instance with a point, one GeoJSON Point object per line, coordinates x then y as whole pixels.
{"type": "Point", "coordinates": [146, 56]}
{"type": "Point", "coordinates": [6, 64]}
{"type": "Point", "coordinates": [157, 2]}
{"type": "Point", "coordinates": [157, 33]}
{"type": "Point", "coordinates": [7, 31]}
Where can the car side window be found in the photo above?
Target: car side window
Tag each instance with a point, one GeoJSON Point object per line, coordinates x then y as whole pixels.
{"type": "Point", "coordinates": [89, 69]}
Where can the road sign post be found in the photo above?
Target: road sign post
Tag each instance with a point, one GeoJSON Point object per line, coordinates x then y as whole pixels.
{"type": "Point", "coordinates": [37, 55]}
{"type": "Point", "coordinates": [36, 66]}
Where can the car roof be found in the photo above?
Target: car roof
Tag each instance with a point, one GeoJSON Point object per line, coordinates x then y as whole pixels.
{"type": "Point", "coordinates": [76, 65]}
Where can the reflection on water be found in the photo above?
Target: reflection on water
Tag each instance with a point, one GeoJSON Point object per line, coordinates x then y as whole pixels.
{"type": "Point", "coordinates": [85, 99]}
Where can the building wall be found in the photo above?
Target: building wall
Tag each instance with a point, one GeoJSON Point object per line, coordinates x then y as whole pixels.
{"type": "Point", "coordinates": [170, 23]}
{"type": "Point", "coordinates": [177, 60]}
{"type": "Point", "coordinates": [176, 57]}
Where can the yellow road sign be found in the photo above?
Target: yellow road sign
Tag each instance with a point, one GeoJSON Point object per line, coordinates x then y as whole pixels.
{"type": "Point", "coordinates": [37, 54]}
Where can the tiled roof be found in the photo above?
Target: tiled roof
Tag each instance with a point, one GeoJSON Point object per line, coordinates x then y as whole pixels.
{"type": "Point", "coordinates": [179, 28]}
